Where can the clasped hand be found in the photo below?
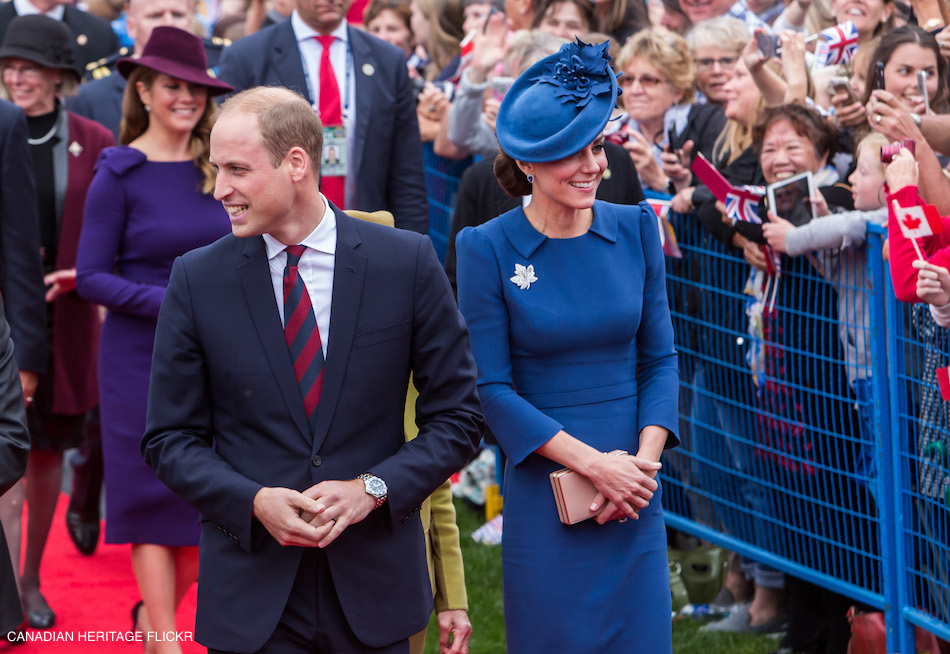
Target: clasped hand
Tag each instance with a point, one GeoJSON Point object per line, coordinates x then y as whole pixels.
{"type": "Point", "coordinates": [315, 517]}
{"type": "Point", "coordinates": [626, 483]}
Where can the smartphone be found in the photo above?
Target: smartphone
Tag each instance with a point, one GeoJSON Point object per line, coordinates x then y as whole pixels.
{"type": "Point", "coordinates": [500, 86]}
{"type": "Point", "coordinates": [670, 138]}
{"type": "Point", "coordinates": [839, 84]}
{"type": "Point", "coordinates": [922, 89]}
{"type": "Point", "coordinates": [494, 10]}
{"type": "Point", "coordinates": [767, 43]}
{"type": "Point", "coordinates": [879, 75]}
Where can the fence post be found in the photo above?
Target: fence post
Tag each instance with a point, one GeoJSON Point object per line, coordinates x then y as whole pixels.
{"type": "Point", "coordinates": [885, 373]}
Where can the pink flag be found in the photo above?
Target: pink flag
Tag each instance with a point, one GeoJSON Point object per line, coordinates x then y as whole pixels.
{"type": "Point", "coordinates": [741, 202]}
{"type": "Point", "coordinates": [943, 381]}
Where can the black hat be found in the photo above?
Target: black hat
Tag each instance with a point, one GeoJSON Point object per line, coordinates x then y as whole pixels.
{"type": "Point", "coordinates": [40, 40]}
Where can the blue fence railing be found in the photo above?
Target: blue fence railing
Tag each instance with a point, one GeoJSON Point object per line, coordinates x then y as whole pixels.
{"type": "Point", "coordinates": [814, 436]}
{"type": "Point", "coordinates": [442, 183]}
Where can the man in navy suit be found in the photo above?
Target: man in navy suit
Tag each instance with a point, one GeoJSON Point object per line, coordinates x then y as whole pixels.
{"type": "Point", "coordinates": [383, 149]}
{"type": "Point", "coordinates": [311, 539]}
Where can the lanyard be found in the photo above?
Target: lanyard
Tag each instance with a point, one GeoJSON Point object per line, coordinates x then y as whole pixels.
{"type": "Point", "coordinates": [346, 83]}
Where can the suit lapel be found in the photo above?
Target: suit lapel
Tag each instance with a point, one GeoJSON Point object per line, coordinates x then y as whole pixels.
{"type": "Point", "coordinates": [363, 62]}
{"type": "Point", "coordinates": [259, 292]}
{"type": "Point", "coordinates": [349, 272]}
{"type": "Point", "coordinates": [286, 60]}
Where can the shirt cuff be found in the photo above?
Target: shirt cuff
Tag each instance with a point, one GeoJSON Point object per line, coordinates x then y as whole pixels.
{"type": "Point", "coordinates": [941, 314]}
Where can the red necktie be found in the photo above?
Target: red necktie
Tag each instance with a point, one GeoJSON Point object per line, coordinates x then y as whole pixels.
{"type": "Point", "coordinates": [303, 336]}
{"type": "Point", "coordinates": [331, 115]}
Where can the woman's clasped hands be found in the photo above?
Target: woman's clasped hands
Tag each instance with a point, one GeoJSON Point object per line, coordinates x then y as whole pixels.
{"type": "Point", "coordinates": [625, 485]}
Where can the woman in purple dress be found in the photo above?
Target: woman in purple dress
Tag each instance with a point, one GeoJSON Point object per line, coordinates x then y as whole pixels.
{"type": "Point", "coordinates": [149, 203]}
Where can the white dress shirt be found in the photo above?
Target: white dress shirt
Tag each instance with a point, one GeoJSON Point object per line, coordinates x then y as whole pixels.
{"type": "Point", "coordinates": [27, 8]}
{"type": "Point", "coordinates": [344, 69]}
{"type": "Point", "coordinates": [315, 267]}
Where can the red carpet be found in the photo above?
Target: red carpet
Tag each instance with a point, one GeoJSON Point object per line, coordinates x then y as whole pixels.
{"type": "Point", "coordinates": [91, 594]}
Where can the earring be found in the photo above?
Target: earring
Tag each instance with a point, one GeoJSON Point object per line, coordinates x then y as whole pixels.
{"type": "Point", "coordinates": [530, 178]}
{"type": "Point", "coordinates": [148, 108]}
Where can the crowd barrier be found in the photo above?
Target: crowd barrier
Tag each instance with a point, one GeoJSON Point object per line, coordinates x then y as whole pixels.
{"type": "Point", "coordinates": [814, 436]}
{"type": "Point", "coordinates": [442, 183]}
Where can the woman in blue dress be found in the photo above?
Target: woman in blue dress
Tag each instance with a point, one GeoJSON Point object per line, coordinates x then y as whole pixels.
{"type": "Point", "coordinates": [566, 303]}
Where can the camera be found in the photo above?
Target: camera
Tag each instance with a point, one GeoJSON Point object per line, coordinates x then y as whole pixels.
{"type": "Point", "coordinates": [891, 149]}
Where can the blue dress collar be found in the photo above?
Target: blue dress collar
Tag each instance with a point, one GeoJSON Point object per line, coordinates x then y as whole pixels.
{"type": "Point", "coordinates": [526, 239]}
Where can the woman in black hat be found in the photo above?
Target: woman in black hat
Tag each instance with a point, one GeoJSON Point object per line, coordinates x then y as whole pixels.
{"type": "Point", "coordinates": [38, 68]}
{"type": "Point", "coordinates": [565, 299]}
{"type": "Point", "coordinates": [149, 203]}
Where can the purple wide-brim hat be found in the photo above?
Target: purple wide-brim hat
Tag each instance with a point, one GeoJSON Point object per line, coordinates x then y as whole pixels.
{"type": "Point", "coordinates": [178, 54]}
{"type": "Point", "coordinates": [559, 105]}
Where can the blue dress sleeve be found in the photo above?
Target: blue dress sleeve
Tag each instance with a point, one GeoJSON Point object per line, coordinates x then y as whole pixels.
{"type": "Point", "coordinates": [657, 360]}
{"type": "Point", "coordinates": [519, 427]}
{"type": "Point", "coordinates": [103, 231]}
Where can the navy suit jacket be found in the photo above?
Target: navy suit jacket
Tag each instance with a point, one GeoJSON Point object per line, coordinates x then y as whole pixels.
{"type": "Point", "coordinates": [100, 100]}
{"type": "Point", "coordinates": [387, 162]}
{"type": "Point", "coordinates": [24, 295]}
{"type": "Point", "coordinates": [225, 418]}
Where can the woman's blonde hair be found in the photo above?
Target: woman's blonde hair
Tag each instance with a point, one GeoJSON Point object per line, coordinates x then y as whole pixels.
{"type": "Point", "coordinates": [736, 138]}
{"type": "Point", "coordinates": [667, 52]}
{"type": "Point", "coordinates": [445, 31]}
{"type": "Point", "coordinates": [135, 121]}
{"type": "Point", "coordinates": [877, 142]}
{"type": "Point", "coordinates": [724, 32]}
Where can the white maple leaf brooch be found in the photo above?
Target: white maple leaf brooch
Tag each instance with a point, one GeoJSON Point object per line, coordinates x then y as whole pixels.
{"type": "Point", "coordinates": [524, 276]}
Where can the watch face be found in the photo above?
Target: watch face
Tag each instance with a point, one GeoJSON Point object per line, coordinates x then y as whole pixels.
{"type": "Point", "coordinates": [375, 486]}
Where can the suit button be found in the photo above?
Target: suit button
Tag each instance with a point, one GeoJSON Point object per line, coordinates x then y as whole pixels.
{"type": "Point", "coordinates": [317, 460]}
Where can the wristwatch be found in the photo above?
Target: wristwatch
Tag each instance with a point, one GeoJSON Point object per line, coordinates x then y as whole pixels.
{"type": "Point", "coordinates": [375, 487]}
{"type": "Point", "coordinates": [916, 118]}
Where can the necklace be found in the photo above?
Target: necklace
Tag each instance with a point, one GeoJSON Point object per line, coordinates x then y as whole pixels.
{"type": "Point", "coordinates": [43, 139]}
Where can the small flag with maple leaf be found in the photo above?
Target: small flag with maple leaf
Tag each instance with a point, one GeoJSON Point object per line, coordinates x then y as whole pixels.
{"type": "Point", "coordinates": [919, 221]}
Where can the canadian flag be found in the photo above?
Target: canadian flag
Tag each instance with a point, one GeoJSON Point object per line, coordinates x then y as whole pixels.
{"type": "Point", "coordinates": [919, 221]}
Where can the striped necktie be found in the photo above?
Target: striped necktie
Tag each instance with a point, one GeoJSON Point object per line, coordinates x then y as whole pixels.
{"type": "Point", "coordinates": [303, 336]}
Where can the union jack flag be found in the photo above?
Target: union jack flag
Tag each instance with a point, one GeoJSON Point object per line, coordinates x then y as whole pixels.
{"type": "Point", "coordinates": [838, 44]}
{"type": "Point", "coordinates": [742, 203]}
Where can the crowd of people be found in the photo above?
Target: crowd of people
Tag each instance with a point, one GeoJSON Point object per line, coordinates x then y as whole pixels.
{"type": "Point", "coordinates": [566, 114]}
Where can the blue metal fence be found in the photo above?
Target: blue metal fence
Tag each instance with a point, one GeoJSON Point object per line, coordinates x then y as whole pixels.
{"type": "Point", "coordinates": [442, 183]}
{"type": "Point", "coordinates": [814, 437]}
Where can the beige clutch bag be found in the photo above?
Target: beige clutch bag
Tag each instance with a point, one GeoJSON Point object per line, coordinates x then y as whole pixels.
{"type": "Point", "coordinates": [573, 493]}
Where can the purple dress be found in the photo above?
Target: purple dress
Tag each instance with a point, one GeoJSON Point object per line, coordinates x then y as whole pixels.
{"type": "Point", "coordinates": [140, 215]}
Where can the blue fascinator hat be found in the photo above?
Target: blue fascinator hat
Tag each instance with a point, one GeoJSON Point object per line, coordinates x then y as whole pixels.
{"type": "Point", "coordinates": [559, 105]}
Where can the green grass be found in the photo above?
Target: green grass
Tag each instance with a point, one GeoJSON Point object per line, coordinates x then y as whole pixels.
{"type": "Point", "coordinates": [483, 581]}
